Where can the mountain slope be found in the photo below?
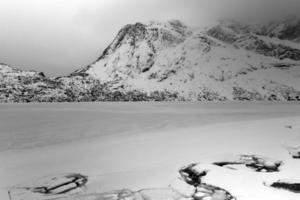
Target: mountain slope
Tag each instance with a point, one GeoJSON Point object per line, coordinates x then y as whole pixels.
{"type": "Point", "coordinates": [162, 61]}
{"type": "Point", "coordinates": [30, 86]}
{"type": "Point", "coordinates": [226, 60]}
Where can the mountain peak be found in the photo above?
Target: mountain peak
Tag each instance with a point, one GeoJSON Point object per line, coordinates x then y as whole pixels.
{"type": "Point", "coordinates": [145, 38]}
{"type": "Point", "coordinates": [214, 61]}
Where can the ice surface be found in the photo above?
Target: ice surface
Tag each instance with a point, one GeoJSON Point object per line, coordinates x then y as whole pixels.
{"type": "Point", "coordinates": [142, 146]}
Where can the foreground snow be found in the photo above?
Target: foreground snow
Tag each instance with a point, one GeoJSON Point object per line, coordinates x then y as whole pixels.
{"type": "Point", "coordinates": [147, 163]}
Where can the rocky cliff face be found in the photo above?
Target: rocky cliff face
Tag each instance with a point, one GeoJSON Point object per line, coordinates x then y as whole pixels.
{"type": "Point", "coordinates": [170, 61]}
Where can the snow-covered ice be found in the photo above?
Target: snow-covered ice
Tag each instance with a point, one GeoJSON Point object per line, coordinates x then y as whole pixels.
{"type": "Point", "coordinates": [136, 150]}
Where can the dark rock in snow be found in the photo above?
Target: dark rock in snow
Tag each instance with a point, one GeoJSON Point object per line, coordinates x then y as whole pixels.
{"type": "Point", "coordinates": [289, 126]}
{"type": "Point", "coordinates": [255, 162]}
{"type": "Point", "coordinates": [59, 186]}
{"type": "Point", "coordinates": [193, 176]}
{"type": "Point", "coordinates": [294, 152]}
{"type": "Point", "coordinates": [68, 183]}
{"type": "Point", "coordinates": [290, 185]}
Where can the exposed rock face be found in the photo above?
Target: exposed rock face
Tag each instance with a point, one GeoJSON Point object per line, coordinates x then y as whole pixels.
{"type": "Point", "coordinates": [254, 162]}
{"type": "Point", "coordinates": [287, 29]}
{"type": "Point", "coordinates": [290, 185]}
{"type": "Point", "coordinates": [254, 43]}
{"type": "Point", "coordinates": [169, 61]}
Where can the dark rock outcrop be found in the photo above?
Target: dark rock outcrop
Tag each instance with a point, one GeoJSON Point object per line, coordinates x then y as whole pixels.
{"type": "Point", "coordinates": [290, 185]}
{"type": "Point", "coordinates": [255, 162]}
{"type": "Point", "coordinates": [203, 190]}
{"type": "Point", "coordinates": [294, 152]}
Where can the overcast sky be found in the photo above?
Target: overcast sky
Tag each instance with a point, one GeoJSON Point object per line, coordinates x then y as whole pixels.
{"type": "Point", "coordinates": [59, 36]}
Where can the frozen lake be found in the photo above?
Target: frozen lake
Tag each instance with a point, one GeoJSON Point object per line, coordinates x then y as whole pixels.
{"type": "Point", "coordinates": [142, 145]}
{"type": "Point", "coordinates": [35, 125]}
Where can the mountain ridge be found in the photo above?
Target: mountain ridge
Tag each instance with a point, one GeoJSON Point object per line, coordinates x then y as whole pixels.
{"type": "Point", "coordinates": [171, 61]}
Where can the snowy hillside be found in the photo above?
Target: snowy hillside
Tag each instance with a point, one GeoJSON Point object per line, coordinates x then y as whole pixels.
{"type": "Point", "coordinates": [226, 60]}
{"type": "Point", "coordinates": [160, 61]}
{"type": "Point", "coordinates": [30, 86]}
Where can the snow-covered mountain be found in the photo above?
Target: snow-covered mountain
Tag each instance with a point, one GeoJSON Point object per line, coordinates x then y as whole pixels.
{"type": "Point", "coordinates": [226, 60]}
{"type": "Point", "coordinates": [30, 86]}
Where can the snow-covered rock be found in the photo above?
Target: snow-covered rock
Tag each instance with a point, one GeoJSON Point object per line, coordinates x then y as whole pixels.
{"type": "Point", "coordinates": [193, 174]}
{"type": "Point", "coordinates": [182, 187]}
{"type": "Point", "coordinates": [254, 162]}
{"type": "Point", "coordinates": [196, 181]}
{"type": "Point", "coordinates": [49, 187]}
{"type": "Point", "coordinates": [294, 152]}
